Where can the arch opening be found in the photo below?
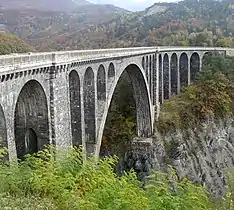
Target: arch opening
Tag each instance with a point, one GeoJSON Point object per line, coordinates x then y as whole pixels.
{"type": "Point", "coordinates": [111, 71]}
{"type": "Point", "coordinates": [154, 79]}
{"type": "Point", "coordinates": [150, 75]}
{"type": "Point", "coordinates": [184, 70]}
{"type": "Point", "coordinates": [174, 74]}
{"type": "Point", "coordinates": [160, 79]}
{"type": "Point", "coordinates": [31, 119]}
{"type": "Point", "coordinates": [194, 66]}
{"type": "Point", "coordinates": [89, 109]}
{"type": "Point", "coordinates": [129, 109]}
{"type": "Point", "coordinates": [147, 68]}
{"type": "Point", "coordinates": [101, 83]}
{"type": "Point", "coordinates": [3, 129]}
{"type": "Point", "coordinates": [166, 76]}
{"type": "Point", "coordinates": [143, 63]}
{"type": "Point", "coordinates": [75, 108]}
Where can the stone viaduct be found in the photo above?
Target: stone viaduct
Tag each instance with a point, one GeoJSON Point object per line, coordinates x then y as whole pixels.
{"type": "Point", "coordinates": [63, 97]}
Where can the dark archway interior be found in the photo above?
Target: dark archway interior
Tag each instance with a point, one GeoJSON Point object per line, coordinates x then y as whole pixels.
{"type": "Point", "coordinates": [194, 66]}
{"type": "Point", "coordinates": [154, 80]}
{"type": "Point", "coordinates": [75, 104]}
{"type": "Point", "coordinates": [89, 110]}
{"type": "Point", "coordinates": [101, 83]}
{"type": "Point", "coordinates": [160, 78]}
{"type": "Point", "coordinates": [129, 113]}
{"type": "Point", "coordinates": [183, 70]}
{"type": "Point", "coordinates": [111, 70]}
{"type": "Point", "coordinates": [120, 124]}
{"type": "Point", "coordinates": [3, 130]}
{"type": "Point", "coordinates": [31, 119]}
{"type": "Point", "coordinates": [174, 74]}
{"type": "Point", "coordinates": [166, 76]}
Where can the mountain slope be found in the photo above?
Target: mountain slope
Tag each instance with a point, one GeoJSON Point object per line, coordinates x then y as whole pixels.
{"type": "Point", "coordinates": [190, 22]}
{"type": "Point", "coordinates": [53, 5]}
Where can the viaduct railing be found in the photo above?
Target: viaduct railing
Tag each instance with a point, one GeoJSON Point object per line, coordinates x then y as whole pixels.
{"type": "Point", "coordinates": [28, 60]}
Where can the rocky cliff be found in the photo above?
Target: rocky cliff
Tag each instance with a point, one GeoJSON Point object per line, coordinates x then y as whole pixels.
{"type": "Point", "coordinates": [204, 155]}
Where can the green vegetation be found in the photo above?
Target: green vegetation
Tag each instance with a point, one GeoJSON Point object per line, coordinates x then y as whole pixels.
{"type": "Point", "coordinates": [210, 97]}
{"type": "Point", "coordinates": [11, 44]}
{"type": "Point", "coordinates": [61, 180]}
{"type": "Point", "coordinates": [120, 125]}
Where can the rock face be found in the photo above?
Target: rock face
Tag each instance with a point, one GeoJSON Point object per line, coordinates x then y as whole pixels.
{"type": "Point", "coordinates": [203, 155]}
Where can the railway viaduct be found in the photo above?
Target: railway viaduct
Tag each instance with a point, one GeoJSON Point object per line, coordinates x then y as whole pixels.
{"type": "Point", "coordinates": [63, 98]}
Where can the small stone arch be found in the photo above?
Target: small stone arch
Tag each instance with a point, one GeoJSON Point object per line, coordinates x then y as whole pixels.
{"type": "Point", "coordinates": [89, 108]}
{"type": "Point", "coordinates": [160, 79]}
{"type": "Point", "coordinates": [184, 70]}
{"type": "Point", "coordinates": [154, 79]}
{"type": "Point", "coordinates": [166, 76]}
{"type": "Point", "coordinates": [75, 108]}
{"type": "Point", "coordinates": [101, 83]}
{"type": "Point", "coordinates": [111, 71]}
{"type": "Point", "coordinates": [194, 66]}
{"type": "Point", "coordinates": [150, 75]}
{"type": "Point", "coordinates": [143, 105]}
{"type": "Point", "coordinates": [204, 56]}
{"type": "Point", "coordinates": [31, 119]}
{"type": "Point", "coordinates": [143, 63]}
{"type": "Point", "coordinates": [147, 68]}
{"type": "Point", "coordinates": [174, 74]}
{"type": "Point", "coordinates": [3, 129]}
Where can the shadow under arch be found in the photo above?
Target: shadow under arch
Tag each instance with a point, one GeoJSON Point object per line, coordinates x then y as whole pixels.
{"type": "Point", "coordinates": [194, 65]}
{"type": "Point", "coordinates": [31, 119]}
{"type": "Point", "coordinates": [142, 101]}
{"type": "Point", "coordinates": [75, 107]}
{"type": "Point", "coordinates": [3, 129]}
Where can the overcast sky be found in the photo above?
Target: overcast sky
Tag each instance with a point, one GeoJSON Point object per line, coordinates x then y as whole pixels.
{"type": "Point", "coordinates": [130, 4]}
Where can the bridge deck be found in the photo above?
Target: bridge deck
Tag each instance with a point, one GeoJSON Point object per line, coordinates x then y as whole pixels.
{"type": "Point", "coordinates": [29, 60]}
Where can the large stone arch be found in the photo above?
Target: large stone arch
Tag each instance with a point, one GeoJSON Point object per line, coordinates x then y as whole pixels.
{"type": "Point", "coordinates": [160, 95]}
{"type": "Point", "coordinates": [174, 74]}
{"type": "Point", "coordinates": [75, 108]}
{"type": "Point", "coordinates": [101, 83]}
{"type": "Point", "coordinates": [184, 70]}
{"type": "Point", "coordinates": [143, 105]}
{"type": "Point", "coordinates": [194, 66]}
{"type": "Point", "coordinates": [166, 82]}
{"type": "Point", "coordinates": [89, 109]}
{"type": "Point", "coordinates": [3, 129]}
{"type": "Point", "coordinates": [31, 119]}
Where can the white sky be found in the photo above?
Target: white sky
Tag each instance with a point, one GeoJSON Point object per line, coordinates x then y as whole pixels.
{"type": "Point", "coordinates": [130, 4]}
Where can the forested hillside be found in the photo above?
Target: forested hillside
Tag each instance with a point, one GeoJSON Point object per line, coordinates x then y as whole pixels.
{"type": "Point", "coordinates": [11, 44]}
{"type": "Point", "coordinates": [190, 22]}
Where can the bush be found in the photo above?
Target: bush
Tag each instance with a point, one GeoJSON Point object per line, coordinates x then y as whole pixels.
{"type": "Point", "coordinates": [59, 179]}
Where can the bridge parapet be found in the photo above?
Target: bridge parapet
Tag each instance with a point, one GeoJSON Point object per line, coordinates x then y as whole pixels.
{"type": "Point", "coordinates": [29, 60]}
